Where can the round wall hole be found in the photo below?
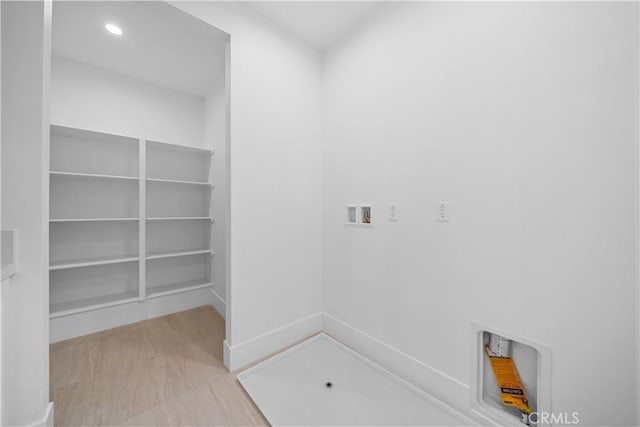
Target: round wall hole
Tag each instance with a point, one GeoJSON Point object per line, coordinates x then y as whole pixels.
{"type": "Point", "coordinates": [328, 384]}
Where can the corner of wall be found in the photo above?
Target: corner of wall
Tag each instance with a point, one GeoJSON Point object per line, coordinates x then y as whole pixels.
{"type": "Point", "coordinates": [47, 417]}
{"type": "Point", "coordinates": [248, 352]}
{"type": "Point", "coordinates": [218, 303]}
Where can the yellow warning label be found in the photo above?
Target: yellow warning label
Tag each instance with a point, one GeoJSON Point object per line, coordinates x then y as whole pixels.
{"type": "Point", "coordinates": [508, 380]}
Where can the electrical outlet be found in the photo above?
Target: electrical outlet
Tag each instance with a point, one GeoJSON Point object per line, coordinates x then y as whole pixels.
{"type": "Point", "coordinates": [393, 212]}
{"type": "Point", "coordinates": [442, 211]}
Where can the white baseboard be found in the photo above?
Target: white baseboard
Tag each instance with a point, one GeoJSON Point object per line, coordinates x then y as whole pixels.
{"type": "Point", "coordinates": [218, 303]}
{"type": "Point", "coordinates": [441, 386]}
{"type": "Point", "coordinates": [226, 355]}
{"type": "Point", "coordinates": [88, 322]}
{"type": "Point", "coordinates": [240, 355]}
{"type": "Point", "coordinates": [47, 418]}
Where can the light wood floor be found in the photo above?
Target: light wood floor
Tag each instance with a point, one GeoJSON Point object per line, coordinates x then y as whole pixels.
{"type": "Point", "coordinates": [159, 372]}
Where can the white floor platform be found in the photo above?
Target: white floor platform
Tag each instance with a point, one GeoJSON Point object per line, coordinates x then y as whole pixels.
{"type": "Point", "coordinates": [290, 390]}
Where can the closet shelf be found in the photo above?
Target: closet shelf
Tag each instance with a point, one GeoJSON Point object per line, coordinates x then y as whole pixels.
{"type": "Point", "coordinates": [88, 262]}
{"type": "Point", "coordinates": [91, 219]}
{"type": "Point", "coordinates": [73, 307]}
{"type": "Point", "coordinates": [174, 288]}
{"type": "Point", "coordinates": [181, 218]}
{"type": "Point", "coordinates": [173, 254]}
{"type": "Point", "coordinates": [94, 175]}
{"type": "Point", "coordinates": [157, 145]}
{"type": "Point", "coordinates": [179, 181]}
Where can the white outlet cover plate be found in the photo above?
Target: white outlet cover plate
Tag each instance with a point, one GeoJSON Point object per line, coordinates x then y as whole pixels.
{"type": "Point", "coordinates": [393, 212]}
{"type": "Point", "coordinates": [443, 213]}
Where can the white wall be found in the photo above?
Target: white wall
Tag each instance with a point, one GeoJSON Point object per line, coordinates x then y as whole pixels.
{"type": "Point", "coordinates": [26, 45]}
{"type": "Point", "coordinates": [87, 97]}
{"type": "Point", "coordinates": [524, 117]}
{"type": "Point", "coordinates": [275, 181]}
{"type": "Point", "coordinates": [215, 137]}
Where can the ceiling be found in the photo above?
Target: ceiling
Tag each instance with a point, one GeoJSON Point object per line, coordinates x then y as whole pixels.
{"type": "Point", "coordinates": [319, 23]}
{"type": "Point", "coordinates": [160, 44]}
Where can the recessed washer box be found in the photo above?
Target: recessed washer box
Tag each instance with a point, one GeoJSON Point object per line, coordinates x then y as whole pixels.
{"type": "Point", "coordinates": [360, 214]}
{"type": "Point", "coordinates": [533, 362]}
{"type": "Point", "coordinates": [366, 214]}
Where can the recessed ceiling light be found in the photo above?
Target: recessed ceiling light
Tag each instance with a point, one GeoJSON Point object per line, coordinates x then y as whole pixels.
{"type": "Point", "coordinates": [114, 29]}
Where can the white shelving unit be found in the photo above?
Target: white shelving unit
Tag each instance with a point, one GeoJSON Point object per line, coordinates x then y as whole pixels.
{"type": "Point", "coordinates": [130, 220]}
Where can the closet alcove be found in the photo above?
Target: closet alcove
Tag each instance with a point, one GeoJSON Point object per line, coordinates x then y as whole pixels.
{"type": "Point", "coordinates": [137, 165]}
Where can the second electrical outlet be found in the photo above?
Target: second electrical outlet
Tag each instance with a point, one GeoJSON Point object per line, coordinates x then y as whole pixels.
{"type": "Point", "coordinates": [442, 212]}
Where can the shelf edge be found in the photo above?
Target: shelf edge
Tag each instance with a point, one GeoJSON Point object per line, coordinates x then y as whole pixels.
{"type": "Point", "coordinates": [91, 263]}
{"type": "Point", "coordinates": [180, 290]}
{"type": "Point", "coordinates": [53, 315]}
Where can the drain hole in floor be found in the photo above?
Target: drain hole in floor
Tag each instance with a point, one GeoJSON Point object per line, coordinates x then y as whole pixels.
{"type": "Point", "coordinates": [328, 384]}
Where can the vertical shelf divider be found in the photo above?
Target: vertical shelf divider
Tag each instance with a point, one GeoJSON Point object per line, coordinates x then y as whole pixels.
{"type": "Point", "coordinates": [211, 180]}
{"type": "Point", "coordinates": [142, 232]}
